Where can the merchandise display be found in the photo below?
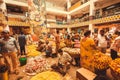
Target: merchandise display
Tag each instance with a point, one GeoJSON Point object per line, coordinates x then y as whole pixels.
{"type": "Point", "coordinates": [48, 75]}
{"type": "Point", "coordinates": [115, 68]}
{"type": "Point", "coordinates": [62, 44]}
{"type": "Point", "coordinates": [72, 51]}
{"type": "Point", "coordinates": [101, 61]}
{"type": "Point", "coordinates": [32, 52]}
{"type": "Point", "coordinates": [36, 65]}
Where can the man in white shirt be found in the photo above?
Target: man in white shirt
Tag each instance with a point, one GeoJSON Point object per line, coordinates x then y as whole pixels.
{"type": "Point", "coordinates": [64, 60]}
{"type": "Point", "coordinates": [102, 41]}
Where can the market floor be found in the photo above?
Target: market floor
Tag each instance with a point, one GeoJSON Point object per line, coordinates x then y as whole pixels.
{"type": "Point", "coordinates": [71, 75]}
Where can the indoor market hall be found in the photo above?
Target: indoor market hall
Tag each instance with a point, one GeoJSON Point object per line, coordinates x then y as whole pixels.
{"type": "Point", "coordinates": [59, 39]}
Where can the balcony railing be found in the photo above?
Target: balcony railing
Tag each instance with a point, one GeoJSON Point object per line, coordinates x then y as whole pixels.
{"type": "Point", "coordinates": [95, 21]}
{"type": "Point", "coordinates": [17, 23]}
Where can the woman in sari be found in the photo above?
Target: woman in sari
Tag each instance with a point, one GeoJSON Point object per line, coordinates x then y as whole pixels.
{"type": "Point", "coordinates": [87, 49]}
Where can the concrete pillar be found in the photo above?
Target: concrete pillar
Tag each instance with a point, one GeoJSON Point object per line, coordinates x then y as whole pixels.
{"type": "Point", "coordinates": [68, 4]}
{"type": "Point", "coordinates": [31, 29]}
{"type": "Point", "coordinates": [69, 30]}
{"type": "Point", "coordinates": [68, 18]}
{"type": "Point", "coordinates": [3, 6]}
{"type": "Point", "coordinates": [4, 10]}
{"type": "Point", "coordinates": [91, 15]}
{"type": "Point", "coordinates": [91, 27]}
{"type": "Point", "coordinates": [101, 12]}
{"type": "Point", "coordinates": [68, 15]}
{"type": "Point", "coordinates": [92, 7]}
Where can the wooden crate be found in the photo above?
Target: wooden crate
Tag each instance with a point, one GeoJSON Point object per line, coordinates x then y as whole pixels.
{"type": "Point", "coordinates": [85, 74]}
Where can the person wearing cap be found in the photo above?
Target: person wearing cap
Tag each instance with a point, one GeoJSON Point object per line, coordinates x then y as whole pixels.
{"type": "Point", "coordinates": [9, 51]}
{"type": "Point", "coordinates": [115, 46]}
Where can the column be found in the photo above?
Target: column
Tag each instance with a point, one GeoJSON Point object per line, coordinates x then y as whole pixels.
{"type": "Point", "coordinates": [101, 12]}
{"type": "Point", "coordinates": [3, 7]}
{"type": "Point", "coordinates": [91, 15]}
{"type": "Point", "coordinates": [69, 30]}
{"type": "Point", "coordinates": [68, 21]}
{"type": "Point", "coordinates": [68, 4]}
{"type": "Point", "coordinates": [5, 17]}
{"type": "Point", "coordinates": [68, 15]}
{"type": "Point", "coordinates": [31, 29]}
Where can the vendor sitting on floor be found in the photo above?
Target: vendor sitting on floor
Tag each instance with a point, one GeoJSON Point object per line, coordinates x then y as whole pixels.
{"type": "Point", "coordinates": [41, 46]}
{"type": "Point", "coordinates": [64, 62]}
{"type": "Point", "coordinates": [48, 49]}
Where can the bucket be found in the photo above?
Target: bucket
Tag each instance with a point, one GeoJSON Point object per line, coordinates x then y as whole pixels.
{"type": "Point", "coordinates": [3, 72]}
{"type": "Point", "coordinates": [23, 61]}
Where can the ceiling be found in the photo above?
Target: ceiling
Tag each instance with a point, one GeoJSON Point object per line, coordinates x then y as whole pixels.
{"type": "Point", "coordinates": [105, 3]}
{"type": "Point", "coordinates": [1, 1]}
{"type": "Point", "coordinates": [74, 1]}
{"type": "Point", "coordinates": [81, 11]}
{"type": "Point", "coordinates": [99, 4]}
{"type": "Point", "coordinates": [62, 3]}
{"type": "Point", "coordinates": [16, 8]}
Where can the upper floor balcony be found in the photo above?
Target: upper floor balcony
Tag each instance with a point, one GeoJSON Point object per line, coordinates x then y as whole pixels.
{"type": "Point", "coordinates": [25, 1]}
{"type": "Point", "coordinates": [108, 19]}
{"type": "Point", "coordinates": [22, 3]}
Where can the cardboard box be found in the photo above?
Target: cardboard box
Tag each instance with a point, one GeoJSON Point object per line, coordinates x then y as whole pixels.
{"type": "Point", "coordinates": [85, 74]}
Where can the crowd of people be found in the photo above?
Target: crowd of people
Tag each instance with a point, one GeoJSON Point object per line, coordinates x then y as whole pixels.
{"type": "Point", "coordinates": [89, 43]}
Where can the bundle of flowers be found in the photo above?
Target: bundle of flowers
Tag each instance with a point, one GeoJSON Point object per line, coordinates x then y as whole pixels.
{"type": "Point", "coordinates": [115, 68]}
{"type": "Point", "coordinates": [36, 65]}
{"type": "Point", "coordinates": [101, 61]}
